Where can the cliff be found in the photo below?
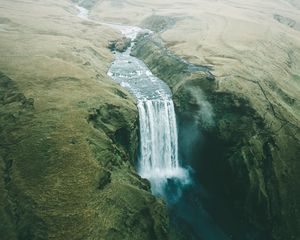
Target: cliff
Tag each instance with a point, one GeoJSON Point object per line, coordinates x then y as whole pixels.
{"type": "Point", "coordinates": [247, 155]}
{"type": "Point", "coordinates": [68, 136]}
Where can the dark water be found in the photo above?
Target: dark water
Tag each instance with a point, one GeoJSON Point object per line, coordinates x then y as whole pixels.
{"type": "Point", "coordinates": [195, 213]}
{"type": "Point", "coordinates": [198, 214]}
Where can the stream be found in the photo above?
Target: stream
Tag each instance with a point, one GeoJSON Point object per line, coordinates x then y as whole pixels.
{"type": "Point", "coordinates": [158, 154]}
{"type": "Point", "coordinates": [158, 159]}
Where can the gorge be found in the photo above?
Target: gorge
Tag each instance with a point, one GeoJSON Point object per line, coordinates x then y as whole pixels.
{"type": "Point", "coordinates": [138, 119]}
{"type": "Point", "coordinates": [158, 159]}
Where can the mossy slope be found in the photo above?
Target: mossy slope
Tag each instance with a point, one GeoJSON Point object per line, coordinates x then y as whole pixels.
{"type": "Point", "coordinates": [251, 155]}
{"type": "Point", "coordinates": [68, 136]}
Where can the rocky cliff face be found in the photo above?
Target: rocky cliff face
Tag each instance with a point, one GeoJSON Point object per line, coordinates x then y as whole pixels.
{"type": "Point", "coordinates": [247, 155]}
{"type": "Point", "coordinates": [68, 135]}
{"type": "Point", "coordinates": [54, 178]}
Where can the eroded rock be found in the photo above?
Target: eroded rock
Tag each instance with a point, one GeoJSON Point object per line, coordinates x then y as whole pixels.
{"type": "Point", "coordinates": [119, 45]}
{"type": "Point", "coordinates": [250, 156]}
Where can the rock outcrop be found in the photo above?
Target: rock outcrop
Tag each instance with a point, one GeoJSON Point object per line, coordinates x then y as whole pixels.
{"type": "Point", "coordinates": [247, 155]}
{"type": "Point", "coordinates": [68, 135]}
{"type": "Point", "coordinates": [119, 45]}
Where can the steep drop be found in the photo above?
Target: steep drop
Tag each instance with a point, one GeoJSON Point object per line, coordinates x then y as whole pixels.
{"type": "Point", "coordinates": [158, 158]}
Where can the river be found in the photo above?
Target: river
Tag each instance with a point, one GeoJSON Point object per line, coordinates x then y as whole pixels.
{"type": "Point", "coordinates": [158, 154]}
{"type": "Point", "coordinates": [158, 159]}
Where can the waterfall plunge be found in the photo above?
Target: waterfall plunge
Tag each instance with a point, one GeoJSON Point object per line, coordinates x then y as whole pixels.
{"type": "Point", "coordinates": [158, 161]}
{"type": "Point", "coordinates": [158, 135]}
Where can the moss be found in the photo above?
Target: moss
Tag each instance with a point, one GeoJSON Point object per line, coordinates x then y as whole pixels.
{"type": "Point", "coordinates": [119, 45]}
{"type": "Point", "coordinates": [158, 23]}
{"type": "Point", "coordinates": [171, 68]}
{"type": "Point", "coordinates": [251, 148]}
{"type": "Point", "coordinates": [57, 181]}
{"type": "Point", "coordinates": [68, 144]}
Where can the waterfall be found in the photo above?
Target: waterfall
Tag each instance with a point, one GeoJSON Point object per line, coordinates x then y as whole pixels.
{"type": "Point", "coordinates": [158, 156]}
{"type": "Point", "coordinates": [159, 148]}
{"type": "Point", "coordinates": [158, 159]}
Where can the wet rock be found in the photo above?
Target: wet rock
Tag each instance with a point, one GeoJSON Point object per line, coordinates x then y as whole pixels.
{"type": "Point", "coordinates": [250, 155]}
{"type": "Point", "coordinates": [119, 45]}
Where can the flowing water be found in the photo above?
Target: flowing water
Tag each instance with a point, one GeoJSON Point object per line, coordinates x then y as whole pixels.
{"type": "Point", "coordinates": [158, 159]}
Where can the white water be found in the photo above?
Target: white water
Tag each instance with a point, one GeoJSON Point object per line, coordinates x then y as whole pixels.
{"type": "Point", "coordinates": [158, 159]}
{"type": "Point", "coordinates": [159, 144]}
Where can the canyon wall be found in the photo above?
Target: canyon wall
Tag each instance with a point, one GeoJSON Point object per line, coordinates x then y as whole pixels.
{"type": "Point", "coordinates": [68, 136]}
{"type": "Point", "coordinates": [248, 156]}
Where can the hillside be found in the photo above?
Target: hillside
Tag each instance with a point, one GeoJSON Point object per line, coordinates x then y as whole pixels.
{"type": "Point", "coordinates": [65, 172]}
{"type": "Point", "coordinates": [69, 134]}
